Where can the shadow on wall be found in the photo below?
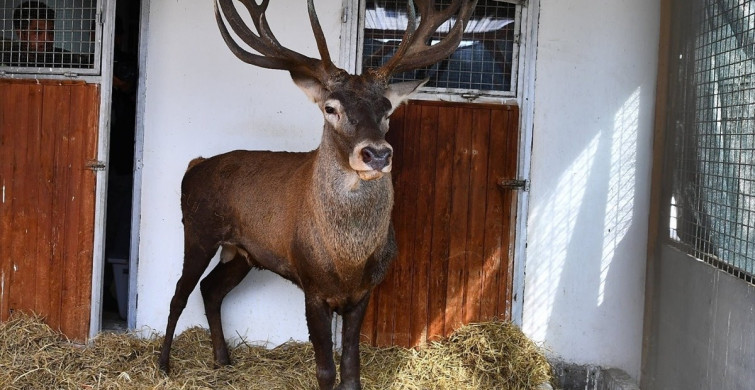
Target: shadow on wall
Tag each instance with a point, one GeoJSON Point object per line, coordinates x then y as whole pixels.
{"type": "Point", "coordinates": [577, 283]}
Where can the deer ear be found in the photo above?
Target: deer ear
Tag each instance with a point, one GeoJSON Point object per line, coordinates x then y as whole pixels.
{"type": "Point", "coordinates": [400, 92]}
{"type": "Point", "coordinates": [311, 87]}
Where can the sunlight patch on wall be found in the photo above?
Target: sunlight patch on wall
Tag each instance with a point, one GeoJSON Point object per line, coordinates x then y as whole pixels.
{"type": "Point", "coordinates": [557, 217]}
{"type": "Point", "coordinates": [620, 197]}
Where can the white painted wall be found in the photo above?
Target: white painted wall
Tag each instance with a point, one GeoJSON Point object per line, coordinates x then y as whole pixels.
{"type": "Point", "coordinates": [200, 101]}
{"type": "Point", "coordinates": [596, 66]}
{"type": "Point", "coordinates": [591, 160]}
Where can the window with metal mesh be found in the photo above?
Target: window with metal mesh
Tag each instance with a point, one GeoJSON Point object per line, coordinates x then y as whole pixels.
{"type": "Point", "coordinates": [712, 210]}
{"type": "Point", "coordinates": [486, 60]}
{"type": "Point", "coordinates": [49, 36]}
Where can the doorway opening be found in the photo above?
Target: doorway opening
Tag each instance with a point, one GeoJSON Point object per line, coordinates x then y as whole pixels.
{"type": "Point", "coordinates": [121, 166]}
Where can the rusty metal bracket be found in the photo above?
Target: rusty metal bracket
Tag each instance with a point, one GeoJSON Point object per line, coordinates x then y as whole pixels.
{"type": "Point", "coordinates": [96, 165]}
{"type": "Point", "coordinates": [513, 184]}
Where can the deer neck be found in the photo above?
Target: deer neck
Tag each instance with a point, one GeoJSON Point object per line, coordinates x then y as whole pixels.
{"type": "Point", "coordinates": [350, 214]}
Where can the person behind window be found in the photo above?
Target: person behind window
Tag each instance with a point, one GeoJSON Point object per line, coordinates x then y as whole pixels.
{"type": "Point", "coordinates": [34, 25]}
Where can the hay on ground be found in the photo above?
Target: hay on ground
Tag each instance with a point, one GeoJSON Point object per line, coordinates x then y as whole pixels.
{"type": "Point", "coordinates": [493, 355]}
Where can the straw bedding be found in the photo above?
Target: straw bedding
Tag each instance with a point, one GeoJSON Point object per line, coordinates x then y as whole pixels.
{"type": "Point", "coordinates": [492, 355]}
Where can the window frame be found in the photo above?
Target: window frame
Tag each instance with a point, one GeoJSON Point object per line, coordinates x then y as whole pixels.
{"type": "Point", "coordinates": [87, 74]}
{"type": "Point", "coordinates": [352, 43]}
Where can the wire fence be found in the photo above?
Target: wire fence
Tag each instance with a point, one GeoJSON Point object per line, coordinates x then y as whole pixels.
{"type": "Point", "coordinates": [713, 199]}
{"type": "Point", "coordinates": [49, 36]}
{"type": "Point", "coordinates": [485, 60]}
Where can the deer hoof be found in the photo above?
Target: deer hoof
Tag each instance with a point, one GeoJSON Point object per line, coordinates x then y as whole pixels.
{"type": "Point", "coordinates": [349, 386]}
{"type": "Point", "coordinates": [164, 367]}
{"type": "Point", "coordinates": [219, 363]}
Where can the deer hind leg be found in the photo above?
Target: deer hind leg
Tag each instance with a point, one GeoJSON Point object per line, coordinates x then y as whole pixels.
{"type": "Point", "coordinates": [197, 256]}
{"type": "Point", "coordinates": [223, 278]}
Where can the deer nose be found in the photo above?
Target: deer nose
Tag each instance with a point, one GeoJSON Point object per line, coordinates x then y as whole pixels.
{"type": "Point", "coordinates": [376, 159]}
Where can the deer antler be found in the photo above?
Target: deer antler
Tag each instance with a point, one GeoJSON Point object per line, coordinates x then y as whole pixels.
{"type": "Point", "coordinates": [415, 50]}
{"type": "Point", "coordinates": [272, 54]}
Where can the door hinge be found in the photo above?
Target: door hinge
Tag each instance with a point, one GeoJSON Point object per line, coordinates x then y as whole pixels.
{"type": "Point", "coordinates": [96, 165]}
{"type": "Point", "coordinates": [513, 184]}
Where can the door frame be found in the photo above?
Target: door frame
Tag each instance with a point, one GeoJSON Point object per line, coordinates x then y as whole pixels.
{"type": "Point", "coordinates": [353, 14]}
{"type": "Point", "coordinates": [98, 274]}
{"type": "Point", "coordinates": [526, 102]}
{"type": "Point", "coordinates": [103, 152]}
{"type": "Point", "coordinates": [136, 197]}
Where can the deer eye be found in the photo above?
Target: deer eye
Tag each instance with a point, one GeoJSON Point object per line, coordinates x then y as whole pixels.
{"type": "Point", "coordinates": [330, 110]}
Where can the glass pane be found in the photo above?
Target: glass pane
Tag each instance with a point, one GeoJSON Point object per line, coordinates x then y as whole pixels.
{"type": "Point", "coordinates": [483, 61]}
{"type": "Point", "coordinates": [48, 34]}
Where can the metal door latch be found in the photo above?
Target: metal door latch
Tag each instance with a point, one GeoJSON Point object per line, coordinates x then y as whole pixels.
{"type": "Point", "coordinates": [512, 184]}
{"type": "Point", "coordinates": [96, 165]}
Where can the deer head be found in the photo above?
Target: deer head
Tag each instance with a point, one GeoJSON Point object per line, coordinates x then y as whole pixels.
{"type": "Point", "coordinates": [356, 108]}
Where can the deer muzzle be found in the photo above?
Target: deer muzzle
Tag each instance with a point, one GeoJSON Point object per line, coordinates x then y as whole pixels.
{"type": "Point", "coordinates": [371, 161]}
{"type": "Point", "coordinates": [376, 159]}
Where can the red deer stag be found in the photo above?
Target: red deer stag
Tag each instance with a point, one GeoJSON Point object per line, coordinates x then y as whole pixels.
{"type": "Point", "coordinates": [320, 219]}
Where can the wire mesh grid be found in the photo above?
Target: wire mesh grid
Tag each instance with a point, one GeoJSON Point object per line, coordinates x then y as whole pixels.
{"type": "Point", "coordinates": [48, 36]}
{"type": "Point", "coordinates": [713, 200]}
{"type": "Point", "coordinates": [485, 60]}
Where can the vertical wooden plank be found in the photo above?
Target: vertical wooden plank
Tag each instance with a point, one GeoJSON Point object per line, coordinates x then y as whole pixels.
{"type": "Point", "coordinates": [441, 208]}
{"type": "Point", "coordinates": [509, 221]}
{"type": "Point", "coordinates": [5, 102]}
{"type": "Point", "coordinates": [70, 235]}
{"type": "Point", "coordinates": [18, 204]}
{"type": "Point", "coordinates": [32, 178]}
{"type": "Point", "coordinates": [9, 108]}
{"type": "Point", "coordinates": [423, 221]}
{"type": "Point", "coordinates": [493, 251]}
{"type": "Point", "coordinates": [367, 333]}
{"type": "Point", "coordinates": [88, 191]}
{"type": "Point", "coordinates": [404, 290]}
{"type": "Point", "coordinates": [76, 309]}
{"type": "Point", "coordinates": [384, 313]}
{"type": "Point", "coordinates": [60, 99]}
{"type": "Point", "coordinates": [457, 269]}
{"type": "Point", "coordinates": [478, 172]}
{"type": "Point", "coordinates": [23, 271]}
{"type": "Point", "coordinates": [375, 316]}
{"type": "Point", "coordinates": [369, 322]}
{"type": "Point", "coordinates": [44, 303]}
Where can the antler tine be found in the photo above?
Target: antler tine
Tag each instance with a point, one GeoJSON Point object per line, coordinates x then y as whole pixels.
{"type": "Point", "coordinates": [432, 19]}
{"type": "Point", "coordinates": [234, 20]}
{"type": "Point", "coordinates": [257, 12]}
{"type": "Point", "coordinates": [415, 50]}
{"type": "Point", "coordinates": [411, 27]}
{"type": "Point", "coordinates": [322, 45]}
{"type": "Point", "coordinates": [272, 54]}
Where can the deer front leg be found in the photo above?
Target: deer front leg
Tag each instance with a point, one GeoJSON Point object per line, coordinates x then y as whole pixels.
{"type": "Point", "coordinates": [223, 278]}
{"type": "Point", "coordinates": [319, 317]}
{"type": "Point", "coordinates": [352, 326]}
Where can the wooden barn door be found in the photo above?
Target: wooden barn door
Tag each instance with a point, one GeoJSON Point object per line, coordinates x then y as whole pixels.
{"type": "Point", "coordinates": [48, 136]}
{"type": "Point", "coordinates": [454, 222]}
